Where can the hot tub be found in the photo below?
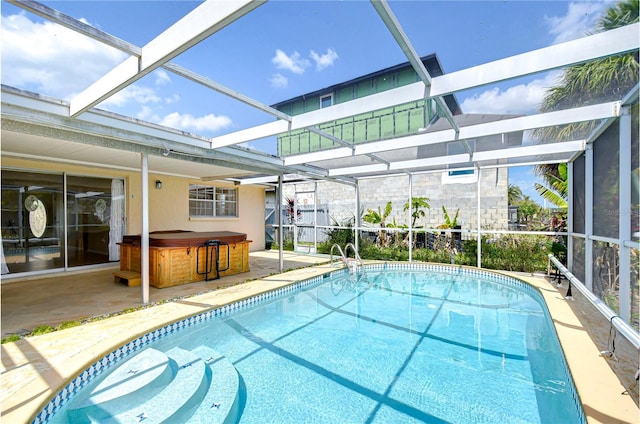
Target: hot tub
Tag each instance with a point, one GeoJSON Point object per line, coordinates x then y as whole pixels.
{"type": "Point", "coordinates": [181, 257]}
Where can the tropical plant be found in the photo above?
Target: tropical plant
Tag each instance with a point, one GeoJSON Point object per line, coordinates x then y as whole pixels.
{"type": "Point", "coordinates": [527, 209]}
{"type": "Point", "coordinates": [417, 211]}
{"type": "Point", "coordinates": [592, 82]}
{"type": "Point", "coordinates": [514, 194]}
{"type": "Point", "coordinates": [340, 234]}
{"type": "Point", "coordinates": [558, 191]}
{"type": "Point", "coordinates": [448, 222]}
{"type": "Point", "coordinates": [292, 214]}
{"type": "Point", "coordinates": [379, 217]}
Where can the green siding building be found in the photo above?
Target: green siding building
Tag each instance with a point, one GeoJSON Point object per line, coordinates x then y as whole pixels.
{"type": "Point", "coordinates": [397, 121]}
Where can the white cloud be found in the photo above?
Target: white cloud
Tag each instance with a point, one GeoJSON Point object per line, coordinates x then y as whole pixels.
{"type": "Point", "coordinates": [325, 60]}
{"type": "Point", "coordinates": [187, 122]}
{"type": "Point", "coordinates": [162, 78]}
{"type": "Point", "coordinates": [147, 114]}
{"type": "Point", "coordinates": [519, 99]}
{"type": "Point", "coordinates": [580, 19]}
{"type": "Point", "coordinates": [172, 99]}
{"type": "Point", "coordinates": [278, 81]}
{"type": "Point", "coordinates": [294, 62]}
{"type": "Point", "coordinates": [51, 59]}
{"type": "Point", "coordinates": [133, 93]}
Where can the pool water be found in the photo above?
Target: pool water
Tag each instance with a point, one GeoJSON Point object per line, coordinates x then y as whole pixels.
{"type": "Point", "coordinates": [379, 346]}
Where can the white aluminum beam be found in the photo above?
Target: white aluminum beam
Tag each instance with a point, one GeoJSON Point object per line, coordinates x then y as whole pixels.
{"type": "Point", "coordinates": [603, 44]}
{"type": "Point", "coordinates": [339, 152]}
{"type": "Point", "coordinates": [122, 45]}
{"type": "Point", "coordinates": [439, 160]}
{"type": "Point", "coordinates": [358, 169]}
{"type": "Point", "coordinates": [531, 150]}
{"type": "Point", "coordinates": [608, 43]}
{"type": "Point", "coordinates": [249, 134]}
{"type": "Point", "coordinates": [549, 119]}
{"type": "Point", "coordinates": [415, 140]}
{"type": "Point", "coordinates": [77, 26]}
{"type": "Point", "coordinates": [384, 99]}
{"type": "Point", "coordinates": [390, 20]}
{"type": "Point", "coordinates": [586, 113]}
{"type": "Point", "coordinates": [203, 21]}
{"type": "Point", "coordinates": [186, 73]}
{"type": "Point", "coordinates": [523, 151]}
{"type": "Point", "coordinates": [404, 94]}
{"type": "Point", "coordinates": [343, 143]}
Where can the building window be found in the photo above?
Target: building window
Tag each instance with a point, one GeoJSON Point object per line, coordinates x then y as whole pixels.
{"type": "Point", "coordinates": [326, 101]}
{"type": "Point", "coordinates": [209, 201]}
{"type": "Point", "coordinates": [459, 173]}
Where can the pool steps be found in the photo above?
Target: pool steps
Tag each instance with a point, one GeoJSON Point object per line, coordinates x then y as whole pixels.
{"type": "Point", "coordinates": [200, 385]}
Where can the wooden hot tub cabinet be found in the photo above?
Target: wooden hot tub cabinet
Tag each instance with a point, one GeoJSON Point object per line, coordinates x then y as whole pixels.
{"type": "Point", "coordinates": [179, 257]}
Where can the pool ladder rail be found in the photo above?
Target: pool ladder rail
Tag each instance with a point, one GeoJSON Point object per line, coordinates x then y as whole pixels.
{"type": "Point", "coordinates": [351, 263]}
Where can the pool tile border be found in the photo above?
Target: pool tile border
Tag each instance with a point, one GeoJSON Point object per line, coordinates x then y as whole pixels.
{"type": "Point", "coordinates": [112, 358]}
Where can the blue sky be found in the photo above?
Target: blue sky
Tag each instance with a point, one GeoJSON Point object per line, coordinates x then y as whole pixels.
{"type": "Point", "coordinates": [284, 49]}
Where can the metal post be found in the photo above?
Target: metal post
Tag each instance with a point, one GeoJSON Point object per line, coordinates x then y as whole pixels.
{"type": "Point", "coordinates": [65, 222]}
{"type": "Point", "coordinates": [479, 235]}
{"type": "Point", "coordinates": [410, 216]}
{"type": "Point", "coordinates": [357, 221]}
{"type": "Point", "coordinates": [315, 217]}
{"type": "Point", "coordinates": [144, 237]}
{"type": "Point", "coordinates": [570, 206]}
{"type": "Point", "coordinates": [280, 231]}
{"type": "Point", "coordinates": [588, 217]}
{"type": "Point", "coordinates": [624, 215]}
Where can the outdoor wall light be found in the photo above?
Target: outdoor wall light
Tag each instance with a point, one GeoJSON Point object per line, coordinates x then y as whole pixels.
{"type": "Point", "coordinates": [158, 184]}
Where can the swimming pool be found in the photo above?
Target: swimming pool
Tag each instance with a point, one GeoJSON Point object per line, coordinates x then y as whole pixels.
{"type": "Point", "coordinates": [395, 343]}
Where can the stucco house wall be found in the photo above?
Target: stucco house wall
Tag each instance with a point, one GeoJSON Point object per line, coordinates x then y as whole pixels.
{"type": "Point", "coordinates": [168, 206]}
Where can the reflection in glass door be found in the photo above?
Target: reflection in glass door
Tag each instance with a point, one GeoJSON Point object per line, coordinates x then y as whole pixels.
{"type": "Point", "coordinates": [95, 219]}
{"type": "Point", "coordinates": [32, 221]}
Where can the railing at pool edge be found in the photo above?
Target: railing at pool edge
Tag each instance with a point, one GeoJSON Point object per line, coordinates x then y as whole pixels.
{"type": "Point", "coordinates": [352, 264]}
{"type": "Point", "coordinates": [618, 323]}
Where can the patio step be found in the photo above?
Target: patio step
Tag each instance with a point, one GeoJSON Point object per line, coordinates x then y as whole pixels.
{"type": "Point", "coordinates": [179, 397]}
{"type": "Point", "coordinates": [131, 278]}
{"type": "Point", "coordinates": [222, 402]}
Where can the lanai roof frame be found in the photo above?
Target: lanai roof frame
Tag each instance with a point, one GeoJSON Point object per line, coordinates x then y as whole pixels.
{"type": "Point", "coordinates": [582, 50]}
{"type": "Point", "coordinates": [564, 54]}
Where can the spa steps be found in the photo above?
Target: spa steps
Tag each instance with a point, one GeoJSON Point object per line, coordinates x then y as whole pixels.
{"type": "Point", "coordinates": [198, 386]}
{"type": "Point", "coordinates": [130, 278]}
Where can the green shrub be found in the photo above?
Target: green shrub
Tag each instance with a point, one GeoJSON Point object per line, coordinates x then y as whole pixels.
{"type": "Point", "coordinates": [68, 324]}
{"type": "Point", "coordinates": [522, 253]}
{"type": "Point", "coordinates": [42, 329]}
{"type": "Point", "coordinates": [11, 338]}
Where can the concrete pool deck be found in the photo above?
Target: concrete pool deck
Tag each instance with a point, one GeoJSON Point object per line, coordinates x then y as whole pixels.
{"type": "Point", "coordinates": [35, 369]}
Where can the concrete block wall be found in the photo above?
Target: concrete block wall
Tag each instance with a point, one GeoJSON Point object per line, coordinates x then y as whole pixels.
{"type": "Point", "coordinates": [376, 192]}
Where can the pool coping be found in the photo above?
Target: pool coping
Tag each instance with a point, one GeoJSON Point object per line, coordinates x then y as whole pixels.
{"type": "Point", "coordinates": [41, 366]}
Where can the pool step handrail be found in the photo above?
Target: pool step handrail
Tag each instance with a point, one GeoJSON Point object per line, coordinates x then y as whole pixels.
{"type": "Point", "coordinates": [351, 263]}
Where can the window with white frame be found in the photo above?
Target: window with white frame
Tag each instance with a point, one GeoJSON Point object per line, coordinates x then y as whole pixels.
{"type": "Point", "coordinates": [326, 101]}
{"type": "Point", "coordinates": [459, 173]}
{"type": "Point", "coordinates": [210, 201]}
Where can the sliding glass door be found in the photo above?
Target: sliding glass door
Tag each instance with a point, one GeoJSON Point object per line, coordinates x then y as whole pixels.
{"type": "Point", "coordinates": [33, 224]}
{"type": "Point", "coordinates": [32, 221]}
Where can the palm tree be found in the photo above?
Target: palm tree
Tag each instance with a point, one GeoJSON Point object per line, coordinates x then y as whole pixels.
{"type": "Point", "coordinates": [514, 194]}
{"type": "Point", "coordinates": [528, 209]}
{"type": "Point", "coordinates": [589, 83]}
{"type": "Point", "coordinates": [417, 203]}
{"type": "Point", "coordinates": [558, 191]}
